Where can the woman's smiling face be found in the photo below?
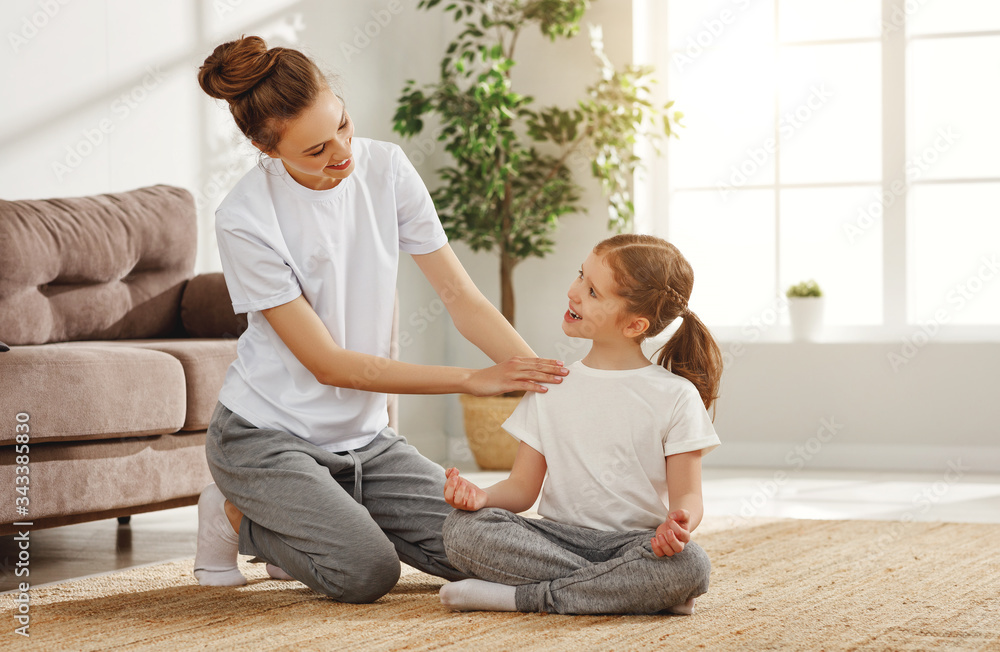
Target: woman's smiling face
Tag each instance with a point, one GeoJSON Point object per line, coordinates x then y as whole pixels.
{"type": "Point", "coordinates": [316, 146]}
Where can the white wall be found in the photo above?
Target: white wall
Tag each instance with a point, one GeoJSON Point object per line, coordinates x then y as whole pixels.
{"type": "Point", "coordinates": [130, 65]}
{"type": "Point", "coordinates": [857, 406]}
{"type": "Point", "coordinates": [96, 97]}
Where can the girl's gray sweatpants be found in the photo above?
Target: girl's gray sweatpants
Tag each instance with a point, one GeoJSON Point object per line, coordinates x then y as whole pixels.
{"type": "Point", "coordinates": [568, 569]}
{"type": "Point", "coordinates": [338, 522]}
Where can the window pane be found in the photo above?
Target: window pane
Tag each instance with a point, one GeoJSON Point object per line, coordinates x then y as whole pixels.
{"type": "Point", "coordinates": [834, 235]}
{"type": "Point", "coordinates": [730, 245]}
{"type": "Point", "coordinates": [943, 16]}
{"type": "Point", "coordinates": [831, 113]}
{"type": "Point", "coordinates": [812, 20]}
{"type": "Point", "coordinates": [693, 25]}
{"type": "Point", "coordinates": [953, 104]}
{"type": "Point", "coordinates": [728, 105]}
{"type": "Point", "coordinates": [954, 233]}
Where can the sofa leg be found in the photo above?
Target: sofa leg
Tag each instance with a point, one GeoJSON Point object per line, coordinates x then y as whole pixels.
{"type": "Point", "coordinates": [124, 520]}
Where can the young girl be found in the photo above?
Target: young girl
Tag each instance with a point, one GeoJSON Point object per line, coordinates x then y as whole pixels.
{"type": "Point", "coordinates": [309, 476]}
{"type": "Point", "coordinates": [621, 439]}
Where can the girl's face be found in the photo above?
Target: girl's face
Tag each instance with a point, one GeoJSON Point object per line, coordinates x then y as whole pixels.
{"type": "Point", "coordinates": [595, 310]}
{"type": "Point", "coordinates": [316, 146]}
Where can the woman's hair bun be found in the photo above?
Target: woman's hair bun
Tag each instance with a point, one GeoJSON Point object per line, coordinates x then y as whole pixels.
{"type": "Point", "coordinates": [235, 67]}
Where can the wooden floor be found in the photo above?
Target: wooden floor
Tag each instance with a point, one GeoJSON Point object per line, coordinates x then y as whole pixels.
{"type": "Point", "coordinates": [74, 551]}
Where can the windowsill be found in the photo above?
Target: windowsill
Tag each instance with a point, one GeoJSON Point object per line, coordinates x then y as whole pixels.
{"type": "Point", "coordinates": [916, 335]}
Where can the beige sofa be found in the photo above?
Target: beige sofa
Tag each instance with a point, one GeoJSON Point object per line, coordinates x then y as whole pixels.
{"type": "Point", "coordinates": [98, 306]}
{"type": "Point", "coordinates": [117, 355]}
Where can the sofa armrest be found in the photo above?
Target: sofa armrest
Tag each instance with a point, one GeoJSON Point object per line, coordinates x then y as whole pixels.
{"type": "Point", "coordinates": [206, 309]}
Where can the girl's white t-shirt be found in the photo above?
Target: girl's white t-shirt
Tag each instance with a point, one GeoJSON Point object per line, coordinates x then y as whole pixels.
{"type": "Point", "coordinates": [605, 435]}
{"type": "Point", "coordinates": [340, 249]}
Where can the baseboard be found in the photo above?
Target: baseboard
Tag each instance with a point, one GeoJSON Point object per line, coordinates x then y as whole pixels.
{"type": "Point", "coordinates": [951, 460]}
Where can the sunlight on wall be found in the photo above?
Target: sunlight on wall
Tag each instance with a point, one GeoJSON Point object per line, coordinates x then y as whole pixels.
{"type": "Point", "coordinates": [102, 96]}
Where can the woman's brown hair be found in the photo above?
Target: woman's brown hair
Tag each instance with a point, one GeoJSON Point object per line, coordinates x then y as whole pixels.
{"type": "Point", "coordinates": [655, 281]}
{"type": "Point", "coordinates": [265, 87]}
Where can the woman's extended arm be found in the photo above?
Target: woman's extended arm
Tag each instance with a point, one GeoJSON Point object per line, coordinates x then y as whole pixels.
{"type": "Point", "coordinates": [307, 337]}
{"type": "Point", "coordinates": [516, 494]}
{"type": "Point", "coordinates": [474, 316]}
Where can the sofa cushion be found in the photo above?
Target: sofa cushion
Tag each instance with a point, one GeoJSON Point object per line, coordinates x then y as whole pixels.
{"type": "Point", "coordinates": [89, 477]}
{"type": "Point", "coordinates": [205, 362]}
{"type": "Point", "coordinates": [77, 391]}
{"type": "Point", "coordinates": [109, 266]}
{"type": "Point", "coordinates": [207, 310]}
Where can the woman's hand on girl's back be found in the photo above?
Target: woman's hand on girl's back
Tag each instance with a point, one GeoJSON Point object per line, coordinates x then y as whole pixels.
{"type": "Point", "coordinates": [462, 494]}
{"type": "Point", "coordinates": [672, 535]}
{"type": "Point", "coordinates": [517, 374]}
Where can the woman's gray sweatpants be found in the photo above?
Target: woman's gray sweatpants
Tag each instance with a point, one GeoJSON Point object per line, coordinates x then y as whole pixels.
{"type": "Point", "coordinates": [568, 569]}
{"type": "Point", "coordinates": [338, 522]}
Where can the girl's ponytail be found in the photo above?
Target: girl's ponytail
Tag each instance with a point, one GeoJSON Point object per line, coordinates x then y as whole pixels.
{"type": "Point", "coordinates": [692, 353]}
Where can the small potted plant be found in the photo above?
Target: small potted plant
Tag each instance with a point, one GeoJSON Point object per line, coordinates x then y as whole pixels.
{"type": "Point", "coordinates": [805, 309]}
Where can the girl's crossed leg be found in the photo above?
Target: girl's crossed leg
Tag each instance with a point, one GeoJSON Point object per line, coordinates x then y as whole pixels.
{"type": "Point", "coordinates": [566, 569]}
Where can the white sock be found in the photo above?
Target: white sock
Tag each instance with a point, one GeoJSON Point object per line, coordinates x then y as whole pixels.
{"type": "Point", "coordinates": [218, 544]}
{"type": "Point", "coordinates": [478, 595]}
{"type": "Point", "coordinates": [685, 609]}
{"type": "Point", "coordinates": [277, 573]}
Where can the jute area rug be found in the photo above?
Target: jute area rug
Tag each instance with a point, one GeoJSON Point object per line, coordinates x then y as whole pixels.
{"type": "Point", "coordinates": [778, 584]}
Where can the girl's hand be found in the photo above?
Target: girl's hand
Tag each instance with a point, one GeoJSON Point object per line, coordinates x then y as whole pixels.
{"type": "Point", "coordinates": [516, 374]}
{"type": "Point", "coordinates": [462, 494]}
{"type": "Point", "coordinates": [672, 535]}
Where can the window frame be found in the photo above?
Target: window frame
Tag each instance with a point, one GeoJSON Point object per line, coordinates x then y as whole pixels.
{"type": "Point", "coordinates": [651, 46]}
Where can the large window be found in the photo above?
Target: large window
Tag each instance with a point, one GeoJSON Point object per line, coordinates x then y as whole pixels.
{"type": "Point", "coordinates": [853, 142]}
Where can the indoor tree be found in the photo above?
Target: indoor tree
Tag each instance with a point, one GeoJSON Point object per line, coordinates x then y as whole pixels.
{"type": "Point", "coordinates": [508, 180]}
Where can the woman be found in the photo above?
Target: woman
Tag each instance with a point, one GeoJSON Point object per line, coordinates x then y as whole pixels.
{"type": "Point", "coordinates": [309, 478]}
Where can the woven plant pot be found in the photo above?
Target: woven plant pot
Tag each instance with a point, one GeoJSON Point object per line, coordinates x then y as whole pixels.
{"type": "Point", "coordinates": [490, 444]}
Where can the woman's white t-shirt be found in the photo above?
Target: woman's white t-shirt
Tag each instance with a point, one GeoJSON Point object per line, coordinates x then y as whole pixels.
{"type": "Point", "coordinates": [340, 249]}
{"type": "Point", "coordinates": [605, 435]}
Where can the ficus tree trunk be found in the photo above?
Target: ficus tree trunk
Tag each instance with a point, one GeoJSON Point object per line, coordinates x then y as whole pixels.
{"type": "Point", "coordinates": [507, 263]}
